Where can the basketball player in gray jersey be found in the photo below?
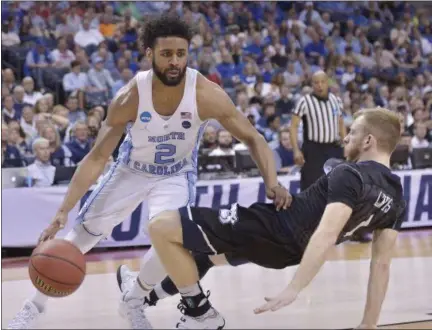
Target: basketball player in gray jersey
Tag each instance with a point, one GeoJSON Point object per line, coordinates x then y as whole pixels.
{"type": "Point", "coordinates": [164, 111]}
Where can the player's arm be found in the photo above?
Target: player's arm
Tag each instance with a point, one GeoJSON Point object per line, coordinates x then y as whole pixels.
{"type": "Point", "coordinates": [122, 110]}
{"type": "Point", "coordinates": [214, 103]}
{"type": "Point", "coordinates": [344, 188]}
{"type": "Point", "coordinates": [382, 250]}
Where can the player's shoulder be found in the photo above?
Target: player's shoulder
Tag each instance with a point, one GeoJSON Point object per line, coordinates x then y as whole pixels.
{"type": "Point", "coordinates": [140, 75]}
{"type": "Point", "coordinates": [213, 102]}
{"type": "Point", "coordinates": [204, 86]}
{"type": "Point", "coordinates": [340, 168]}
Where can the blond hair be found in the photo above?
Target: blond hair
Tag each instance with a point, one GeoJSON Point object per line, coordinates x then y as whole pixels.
{"type": "Point", "coordinates": [384, 125]}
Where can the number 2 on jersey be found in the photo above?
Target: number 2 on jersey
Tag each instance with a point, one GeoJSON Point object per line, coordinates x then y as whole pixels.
{"type": "Point", "coordinates": [165, 151]}
{"type": "Point", "coordinates": [361, 224]}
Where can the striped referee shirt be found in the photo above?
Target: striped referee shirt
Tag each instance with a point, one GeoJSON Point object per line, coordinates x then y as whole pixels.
{"type": "Point", "coordinates": [320, 117]}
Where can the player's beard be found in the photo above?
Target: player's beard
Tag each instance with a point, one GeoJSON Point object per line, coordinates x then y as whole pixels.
{"type": "Point", "coordinates": [165, 79]}
{"type": "Point", "coordinates": [352, 153]}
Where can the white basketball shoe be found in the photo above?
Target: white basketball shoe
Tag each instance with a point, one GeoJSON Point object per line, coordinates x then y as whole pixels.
{"type": "Point", "coordinates": [133, 309]}
{"type": "Point", "coordinates": [26, 317]}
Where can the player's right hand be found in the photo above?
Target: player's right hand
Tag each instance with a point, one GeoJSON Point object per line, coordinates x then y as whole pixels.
{"type": "Point", "coordinates": [280, 197]}
{"type": "Point", "coordinates": [299, 158]}
{"type": "Point", "coordinates": [57, 224]}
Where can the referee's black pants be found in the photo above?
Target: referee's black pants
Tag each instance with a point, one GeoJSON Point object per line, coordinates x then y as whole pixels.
{"type": "Point", "coordinates": [315, 155]}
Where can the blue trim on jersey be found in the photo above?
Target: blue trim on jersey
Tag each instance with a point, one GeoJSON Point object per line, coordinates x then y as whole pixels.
{"type": "Point", "coordinates": [94, 194]}
{"type": "Point", "coordinates": [192, 179]}
{"type": "Point", "coordinates": [125, 149]}
{"type": "Point", "coordinates": [195, 149]}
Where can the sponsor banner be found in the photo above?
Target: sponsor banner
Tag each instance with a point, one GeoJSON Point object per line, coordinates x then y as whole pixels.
{"type": "Point", "coordinates": [27, 211]}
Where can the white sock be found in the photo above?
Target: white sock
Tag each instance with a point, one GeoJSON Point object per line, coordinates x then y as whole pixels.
{"type": "Point", "coordinates": [160, 292]}
{"type": "Point", "coordinates": [40, 300]}
{"type": "Point", "coordinates": [151, 273]}
{"type": "Point", "coordinates": [190, 291]}
{"type": "Point", "coordinates": [84, 241]}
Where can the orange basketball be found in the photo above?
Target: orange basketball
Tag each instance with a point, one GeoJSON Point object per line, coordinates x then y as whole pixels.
{"type": "Point", "coordinates": [57, 268]}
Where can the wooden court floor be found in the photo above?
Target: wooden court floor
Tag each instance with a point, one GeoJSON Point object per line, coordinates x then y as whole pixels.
{"type": "Point", "coordinates": [334, 300]}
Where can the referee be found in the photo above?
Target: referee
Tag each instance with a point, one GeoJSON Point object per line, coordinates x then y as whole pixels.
{"type": "Point", "coordinates": [323, 130]}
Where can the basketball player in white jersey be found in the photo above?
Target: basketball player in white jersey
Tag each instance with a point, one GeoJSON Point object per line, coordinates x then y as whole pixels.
{"type": "Point", "coordinates": [164, 111]}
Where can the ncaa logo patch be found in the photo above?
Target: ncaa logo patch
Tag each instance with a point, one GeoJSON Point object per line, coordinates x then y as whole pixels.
{"type": "Point", "coordinates": [186, 124]}
{"type": "Point", "coordinates": [145, 117]}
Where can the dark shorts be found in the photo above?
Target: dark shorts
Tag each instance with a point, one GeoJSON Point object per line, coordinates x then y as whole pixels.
{"type": "Point", "coordinates": [252, 234]}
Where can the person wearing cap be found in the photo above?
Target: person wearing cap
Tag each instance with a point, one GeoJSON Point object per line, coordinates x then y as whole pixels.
{"type": "Point", "coordinates": [37, 59]}
{"type": "Point", "coordinates": [99, 77]}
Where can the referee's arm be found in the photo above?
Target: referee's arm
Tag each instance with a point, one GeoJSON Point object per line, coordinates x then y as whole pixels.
{"type": "Point", "coordinates": [298, 113]}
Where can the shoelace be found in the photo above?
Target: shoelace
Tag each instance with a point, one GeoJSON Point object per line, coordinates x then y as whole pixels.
{"type": "Point", "coordinates": [23, 318]}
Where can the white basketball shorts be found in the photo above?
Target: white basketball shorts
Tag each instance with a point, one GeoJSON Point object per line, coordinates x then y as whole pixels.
{"type": "Point", "coordinates": [121, 190]}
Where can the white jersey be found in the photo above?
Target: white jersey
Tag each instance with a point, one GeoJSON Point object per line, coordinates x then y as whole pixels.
{"type": "Point", "coordinates": [160, 146]}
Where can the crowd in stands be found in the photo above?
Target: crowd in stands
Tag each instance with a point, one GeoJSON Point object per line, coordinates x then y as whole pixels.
{"type": "Point", "coordinates": [62, 62]}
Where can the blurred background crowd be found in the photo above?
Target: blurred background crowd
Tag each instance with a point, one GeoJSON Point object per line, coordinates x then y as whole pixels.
{"type": "Point", "coordinates": [63, 61]}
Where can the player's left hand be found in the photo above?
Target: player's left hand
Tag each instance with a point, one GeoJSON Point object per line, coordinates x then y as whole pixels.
{"type": "Point", "coordinates": [285, 298]}
{"type": "Point", "coordinates": [280, 196]}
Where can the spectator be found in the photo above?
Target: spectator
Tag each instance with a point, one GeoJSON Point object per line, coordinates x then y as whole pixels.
{"type": "Point", "coordinates": [60, 155]}
{"type": "Point", "coordinates": [38, 59]}
{"type": "Point", "coordinates": [349, 74]}
{"type": "Point", "coordinates": [18, 95]}
{"type": "Point", "coordinates": [269, 110]}
{"type": "Point", "coordinates": [286, 103]}
{"type": "Point", "coordinates": [73, 19]}
{"type": "Point", "coordinates": [62, 57]}
{"type": "Point", "coordinates": [8, 112]}
{"type": "Point", "coordinates": [106, 56]}
{"type": "Point", "coordinates": [9, 37]}
{"type": "Point", "coordinates": [271, 132]}
{"type": "Point", "coordinates": [16, 138]}
{"type": "Point", "coordinates": [326, 24]}
{"type": "Point", "coordinates": [225, 144]}
{"type": "Point", "coordinates": [283, 153]}
{"type": "Point", "coordinates": [8, 79]}
{"type": "Point", "coordinates": [94, 126]}
{"type": "Point", "coordinates": [80, 142]}
{"type": "Point", "coordinates": [31, 96]}
{"type": "Point", "coordinates": [209, 140]}
{"type": "Point", "coordinates": [41, 171]}
{"type": "Point", "coordinates": [419, 139]}
{"type": "Point", "coordinates": [309, 15]}
{"type": "Point", "coordinates": [11, 157]}
{"type": "Point", "coordinates": [75, 113]}
{"type": "Point", "coordinates": [126, 76]}
{"type": "Point", "coordinates": [107, 26]}
{"type": "Point", "coordinates": [99, 77]}
{"type": "Point", "coordinates": [88, 36]}
{"type": "Point", "coordinates": [75, 81]}
{"type": "Point", "coordinates": [28, 122]}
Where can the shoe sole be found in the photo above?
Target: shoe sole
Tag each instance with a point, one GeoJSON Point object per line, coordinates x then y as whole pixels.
{"type": "Point", "coordinates": [222, 326]}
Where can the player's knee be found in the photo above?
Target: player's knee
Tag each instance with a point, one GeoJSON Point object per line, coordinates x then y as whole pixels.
{"type": "Point", "coordinates": [83, 238]}
{"type": "Point", "coordinates": [165, 224]}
